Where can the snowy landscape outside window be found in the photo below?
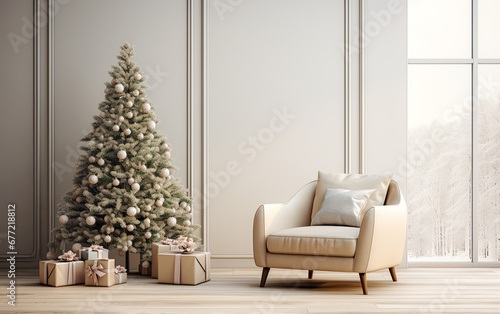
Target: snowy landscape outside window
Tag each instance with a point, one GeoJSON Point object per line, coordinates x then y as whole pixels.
{"type": "Point", "coordinates": [453, 165]}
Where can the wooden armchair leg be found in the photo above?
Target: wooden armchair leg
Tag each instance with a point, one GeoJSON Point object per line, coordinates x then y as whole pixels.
{"type": "Point", "coordinates": [364, 284]}
{"type": "Point", "coordinates": [265, 272]}
{"type": "Point", "coordinates": [393, 273]}
{"type": "Point", "coordinates": [310, 274]}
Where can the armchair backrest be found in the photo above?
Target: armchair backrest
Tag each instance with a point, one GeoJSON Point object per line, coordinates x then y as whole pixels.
{"type": "Point", "coordinates": [393, 194]}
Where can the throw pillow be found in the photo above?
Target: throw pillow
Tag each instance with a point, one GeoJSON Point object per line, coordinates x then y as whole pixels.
{"type": "Point", "coordinates": [378, 182]}
{"type": "Point", "coordinates": [341, 207]}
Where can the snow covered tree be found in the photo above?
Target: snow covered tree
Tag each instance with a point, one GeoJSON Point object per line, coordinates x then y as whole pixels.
{"type": "Point", "coordinates": [124, 195]}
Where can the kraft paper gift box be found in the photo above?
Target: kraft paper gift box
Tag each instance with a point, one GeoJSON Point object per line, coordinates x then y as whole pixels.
{"type": "Point", "coordinates": [91, 253]}
{"type": "Point", "coordinates": [61, 273]}
{"type": "Point", "coordinates": [120, 278]}
{"type": "Point", "coordinates": [100, 272]}
{"type": "Point", "coordinates": [120, 275]}
{"type": "Point", "coordinates": [184, 269]}
{"type": "Point", "coordinates": [160, 248]}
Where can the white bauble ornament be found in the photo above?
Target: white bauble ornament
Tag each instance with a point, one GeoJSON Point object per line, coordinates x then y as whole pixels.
{"type": "Point", "coordinates": [93, 179]}
{"type": "Point", "coordinates": [63, 219]}
{"type": "Point", "coordinates": [171, 221]}
{"type": "Point", "coordinates": [129, 243]}
{"type": "Point", "coordinates": [151, 125]}
{"type": "Point", "coordinates": [109, 186]}
{"type": "Point", "coordinates": [121, 154]}
{"type": "Point", "coordinates": [144, 168]}
{"type": "Point", "coordinates": [79, 199]}
{"type": "Point", "coordinates": [90, 220]}
{"type": "Point", "coordinates": [116, 182]}
{"type": "Point", "coordinates": [106, 91]}
{"type": "Point", "coordinates": [159, 202]}
{"type": "Point", "coordinates": [147, 235]}
{"type": "Point", "coordinates": [90, 144]}
{"type": "Point", "coordinates": [116, 128]}
{"type": "Point", "coordinates": [91, 159]}
{"type": "Point", "coordinates": [138, 209]}
{"type": "Point", "coordinates": [183, 204]}
{"type": "Point", "coordinates": [137, 76]}
{"type": "Point", "coordinates": [167, 154]}
{"type": "Point", "coordinates": [147, 208]}
{"type": "Point", "coordinates": [51, 255]}
{"type": "Point", "coordinates": [100, 162]}
{"type": "Point", "coordinates": [164, 172]}
{"type": "Point", "coordinates": [129, 115]}
{"type": "Point", "coordinates": [187, 223]}
{"type": "Point", "coordinates": [131, 181]}
{"type": "Point", "coordinates": [121, 119]}
{"type": "Point", "coordinates": [145, 264]}
{"type": "Point", "coordinates": [130, 227]}
{"type": "Point", "coordinates": [151, 136]}
{"type": "Point", "coordinates": [127, 132]}
{"type": "Point", "coordinates": [149, 156]}
{"type": "Point", "coordinates": [76, 247]}
{"type": "Point", "coordinates": [107, 219]}
{"type": "Point", "coordinates": [188, 208]}
{"type": "Point", "coordinates": [135, 93]}
{"type": "Point", "coordinates": [121, 253]}
{"type": "Point", "coordinates": [136, 187]}
{"type": "Point", "coordinates": [107, 239]}
{"type": "Point", "coordinates": [131, 211]}
{"type": "Point", "coordinates": [156, 186]}
{"type": "Point", "coordinates": [164, 146]}
{"type": "Point", "coordinates": [146, 107]}
{"type": "Point", "coordinates": [140, 136]}
{"type": "Point", "coordinates": [129, 104]}
{"type": "Point", "coordinates": [119, 88]}
{"type": "Point", "coordinates": [100, 145]}
{"type": "Point", "coordinates": [125, 248]}
{"type": "Point", "coordinates": [147, 222]}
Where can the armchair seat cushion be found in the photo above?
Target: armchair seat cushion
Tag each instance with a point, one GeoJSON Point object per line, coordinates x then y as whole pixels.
{"type": "Point", "coordinates": [338, 241]}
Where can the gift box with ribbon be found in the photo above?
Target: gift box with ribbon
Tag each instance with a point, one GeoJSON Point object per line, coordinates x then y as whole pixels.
{"type": "Point", "coordinates": [100, 272]}
{"type": "Point", "coordinates": [65, 271]}
{"type": "Point", "coordinates": [184, 269]}
{"type": "Point", "coordinates": [93, 252]}
{"type": "Point", "coordinates": [166, 246]}
{"type": "Point", "coordinates": [120, 275]}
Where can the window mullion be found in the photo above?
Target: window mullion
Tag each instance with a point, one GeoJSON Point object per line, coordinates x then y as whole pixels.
{"type": "Point", "coordinates": [475, 103]}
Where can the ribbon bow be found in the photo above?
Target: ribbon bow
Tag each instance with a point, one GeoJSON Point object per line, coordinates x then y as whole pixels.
{"type": "Point", "coordinates": [95, 247]}
{"type": "Point", "coordinates": [120, 269]}
{"type": "Point", "coordinates": [96, 271]}
{"type": "Point", "coordinates": [68, 257]}
{"type": "Point", "coordinates": [168, 241]}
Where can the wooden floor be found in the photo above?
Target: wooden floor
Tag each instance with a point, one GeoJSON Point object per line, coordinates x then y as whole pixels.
{"type": "Point", "coordinates": [419, 290]}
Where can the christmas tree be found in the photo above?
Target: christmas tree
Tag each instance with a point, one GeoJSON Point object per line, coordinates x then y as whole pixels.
{"type": "Point", "coordinates": [124, 195]}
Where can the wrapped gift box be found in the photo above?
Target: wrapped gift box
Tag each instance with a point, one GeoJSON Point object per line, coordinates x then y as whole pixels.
{"type": "Point", "coordinates": [184, 269]}
{"type": "Point", "coordinates": [120, 274]}
{"type": "Point", "coordinates": [90, 253]}
{"type": "Point", "coordinates": [100, 272]}
{"type": "Point", "coordinates": [160, 248]}
{"type": "Point", "coordinates": [61, 273]}
{"type": "Point", "coordinates": [120, 278]}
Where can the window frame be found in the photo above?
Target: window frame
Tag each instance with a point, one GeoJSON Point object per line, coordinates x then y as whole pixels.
{"type": "Point", "coordinates": [475, 62]}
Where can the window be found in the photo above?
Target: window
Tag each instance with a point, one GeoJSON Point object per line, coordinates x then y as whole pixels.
{"type": "Point", "coordinates": [453, 131]}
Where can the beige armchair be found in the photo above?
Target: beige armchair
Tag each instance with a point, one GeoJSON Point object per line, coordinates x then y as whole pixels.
{"type": "Point", "coordinates": [284, 238]}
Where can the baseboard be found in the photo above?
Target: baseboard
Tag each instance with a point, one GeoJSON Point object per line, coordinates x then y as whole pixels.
{"type": "Point", "coordinates": [232, 262]}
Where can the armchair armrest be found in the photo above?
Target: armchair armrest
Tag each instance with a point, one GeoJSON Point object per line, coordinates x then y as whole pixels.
{"type": "Point", "coordinates": [274, 217]}
{"type": "Point", "coordinates": [382, 237]}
